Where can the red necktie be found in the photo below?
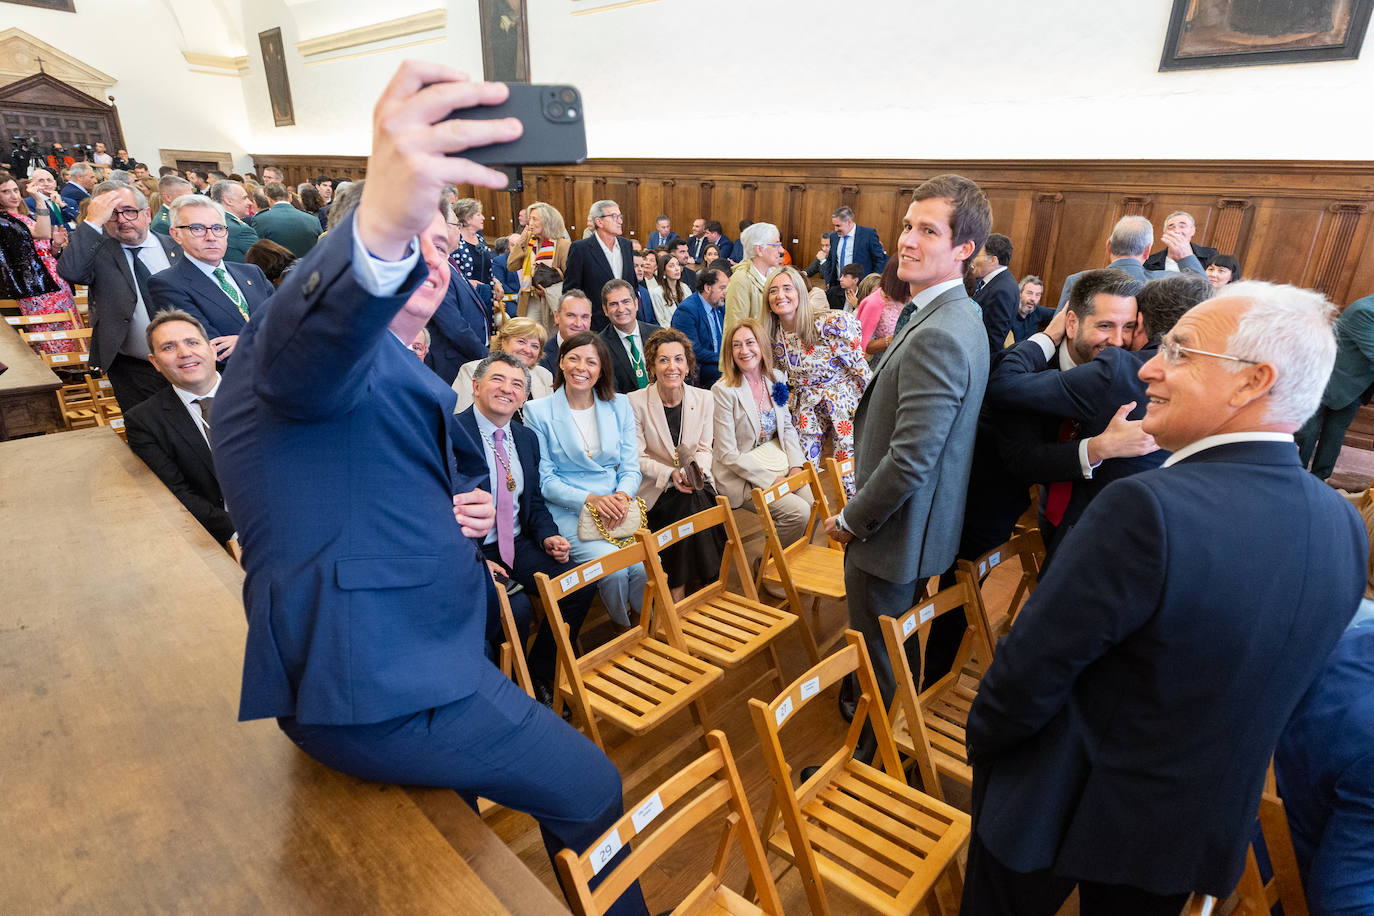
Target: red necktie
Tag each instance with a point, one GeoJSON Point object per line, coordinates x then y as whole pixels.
{"type": "Point", "coordinates": [1058, 499]}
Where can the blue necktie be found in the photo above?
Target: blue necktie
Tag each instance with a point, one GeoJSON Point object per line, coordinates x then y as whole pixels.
{"type": "Point", "coordinates": [844, 240]}
{"type": "Point", "coordinates": [715, 320]}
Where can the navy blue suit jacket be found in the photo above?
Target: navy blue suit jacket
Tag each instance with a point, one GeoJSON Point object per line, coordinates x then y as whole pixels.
{"type": "Point", "coordinates": [728, 249]}
{"type": "Point", "coordinates": [588, 270]}
{"type": "Point", "coordinates": [550, 358]}
{"type": "Point", "coordinates": [509, 281]}
{"type": "Point", "coordinates": [655, 239]}
{"type": "Point", "coordinates": [691, 319]}
{"type": "Point", "coordinates": [535, 521]}
{"type": "Point", "coordinates": [1144, 688]}
{"type": "Point", "coordinates": [72, 195]}
{"type": "Point", "coordinates": [458, 330]}
{"type": "Point", "coordinates": [332, 442]}
{"type": "Point", "coordinates": [646, 304]}
{"type": "Point", "coordinates": [1000, 300]}
{"type": "Point", "coordinates": [184, 286]}
{"type": "Point", "coordinates": [868, 254]}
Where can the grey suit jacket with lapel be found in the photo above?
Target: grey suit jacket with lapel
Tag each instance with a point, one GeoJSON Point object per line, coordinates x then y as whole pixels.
{"type": "Point", "coordinates": [98, 261]}
{"type": "Point", "coordinates": [913, 442]}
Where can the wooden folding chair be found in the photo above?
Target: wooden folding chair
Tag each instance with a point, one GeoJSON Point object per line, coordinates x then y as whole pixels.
{"type": "Point", "coordinates": [836, 471]}
{"type": "Point", "coordinates": [706, 786]}
{"type": "Point", "coordinates": [634, 681]}
{"type": "Point", "coordinates": [24, 322]}
{"type": "Point", "coordinates": [802, 568]}
{"type": "Point", "coordinates": [929, 726]}
{"type": "Point", "coordinates": [103, 398]}
{"type": "Point", "coordinates": [1029, 548]}
{"type": "Point", "coordinates": [715, 624]}
{"type": "Point", "coordinates": [1255, 896]}
{"type": "Point", "coordinates": [512, 652]}
{"type": "Point", "coordinates": [851, 826]}
{"type": "Point", "coordinates": [78, 406]}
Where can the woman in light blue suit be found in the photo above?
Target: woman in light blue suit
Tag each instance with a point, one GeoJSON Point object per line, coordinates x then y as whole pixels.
{"type": "Point", "coordinates": [589, 456]}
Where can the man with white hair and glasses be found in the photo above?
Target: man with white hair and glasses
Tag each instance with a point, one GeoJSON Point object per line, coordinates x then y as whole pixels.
{"type": "Point", "coordinates": [1120, 737]}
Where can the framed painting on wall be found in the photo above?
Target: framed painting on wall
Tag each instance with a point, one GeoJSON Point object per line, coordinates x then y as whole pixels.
{"type": "Point", "coordinates": [62, 6]}
{"type": "Point", "coordinates": [1204, 34]}
{"type": "Point", "coordinates": [505, 41]}
{"type": "Point", "coordinates": [278, 85]}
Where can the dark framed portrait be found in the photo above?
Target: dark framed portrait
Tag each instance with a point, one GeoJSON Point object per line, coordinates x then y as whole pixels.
{"type": "Point", "coordinates": [505, 41]}
{"type": "Point", "coordinates": [62, 6]}
{"type": "Point", "coordinates": [278, 85]}
{"type": "Point", "coordinates": [1205, 34]}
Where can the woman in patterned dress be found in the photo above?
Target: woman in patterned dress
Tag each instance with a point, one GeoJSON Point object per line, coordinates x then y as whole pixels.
{"type": "Point", "coordinates": [823, 357]}
{"type": "Point", "coordinates": [40, 227]}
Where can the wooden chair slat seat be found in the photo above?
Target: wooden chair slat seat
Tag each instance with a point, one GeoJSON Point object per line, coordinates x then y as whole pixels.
{"type": "Point", "coordinates": [1025, 545]}
{"type": "Point", "coordinates": [851, 826]}
{"type": "Point", "coordinates": [715, 624]}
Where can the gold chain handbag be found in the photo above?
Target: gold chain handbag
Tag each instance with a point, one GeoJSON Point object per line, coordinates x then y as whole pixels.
{"type": "Point", "coordinates": [590, 527]}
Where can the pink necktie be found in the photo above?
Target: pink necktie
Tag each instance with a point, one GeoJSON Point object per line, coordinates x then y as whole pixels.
{"type": "Point", "coordinates": [505, 508]}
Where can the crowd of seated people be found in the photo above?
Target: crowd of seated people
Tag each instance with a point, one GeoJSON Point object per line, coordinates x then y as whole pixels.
{"type": "Point", "coordinates": [604, 386]}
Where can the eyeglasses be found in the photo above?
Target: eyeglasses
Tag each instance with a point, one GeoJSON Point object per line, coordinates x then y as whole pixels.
{"type": "Point", "coordinates": [1172, 349]}
{"type": "Point", "coordinates": [199, 229]}
{"type": "Point", "coordinates": [128, 214]}
{"type": "Point", "coordinates": [618, 216]}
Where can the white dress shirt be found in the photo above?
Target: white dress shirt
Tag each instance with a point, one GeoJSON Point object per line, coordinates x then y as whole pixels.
{"type": "Point", "coordinates": [613, 255]}
{"type": "Point", "coordinates": [151, 253]}
{"type": "Point", "coordinates": [1207, 442]}
{"type": "Point", "coordinates": [209, 271]}
{"type": "Point", "coordinates": [188, 400]}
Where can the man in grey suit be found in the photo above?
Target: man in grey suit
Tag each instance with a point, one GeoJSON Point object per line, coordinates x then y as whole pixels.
{"type": "Point", "coordinates": [1129, 245]}
{"type": "Point", "coordinates": [915, 424]}
{"type": "Point", "coordinates": [1351, 377]}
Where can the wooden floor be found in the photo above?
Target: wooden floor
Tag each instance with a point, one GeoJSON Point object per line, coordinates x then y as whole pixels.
{"type": "Point", "coordinates": [815, 733]}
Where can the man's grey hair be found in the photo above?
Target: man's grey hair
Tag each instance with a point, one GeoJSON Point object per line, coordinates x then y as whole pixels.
{"type": "Point", "coordinates": [757, 234]}
{"type": "Point", "coordinates": [1180, 213]}
{"type": "Point", "coordinates": [190, 201]}
{"type": "Point", "coordinates": [80, 168]}
{"type": "Point", "coordinates": [122, 175]}
{"type": "Point", "coordinates": [1132, 235]}
{"type": "Point", "coordinates": [1291, 329]}
{"type": "Point", "coordinates": [1027, 280]}
{"type": "Point", "coordinates": [501, 356]}
{"type": "Point", "coordinates": [572, 294]}
{"type": "Point", "coordinates": [599, 209]}
{"type": "Point", "coordinates": [843, 213]}
{"type": "Point", "coordinates": [170, 186]}
{"type": "Point", "coordinates": [425, 331]}
{"type": "Point", "coordinates": [220, 190]}
{"type": "Point", "coordinates": [104, 186]}
{"type": "Point", "coordinates": [346, 200]}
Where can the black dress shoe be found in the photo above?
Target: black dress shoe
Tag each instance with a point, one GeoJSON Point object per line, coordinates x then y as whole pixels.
{"type": "Point", "coordinates": [849, 698]}
{"type": "Point", "coordinates": [543, 691]}
{"type": "Point", "coordinates": [808, 772]}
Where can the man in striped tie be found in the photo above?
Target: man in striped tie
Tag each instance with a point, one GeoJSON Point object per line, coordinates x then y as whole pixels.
{"type": "Point", "coordinates": [221, 295]}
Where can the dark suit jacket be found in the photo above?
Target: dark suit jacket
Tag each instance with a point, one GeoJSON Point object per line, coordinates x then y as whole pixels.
{"type": "Point", "coordinates": [1021, 328]}
{"type": "Point", "coordinates": [646, 305]}
{"type": "Point", "coordinates": [287, 226]}
{"type": "Point", "coordinates": [163, 434]}
{"type": "Point", "coordinates": [588, 270]}
{"type": "Point", "coordinates": [695, 246]}
{"type": "Point", "coordinates": [1000, 298]}
{"type": "Point", "coordinates": [728, 250]}
{"type": "Point", "coordinates": [1145, 691]}
{"type": "Point", "coordinates": [550, 358]}
{"type": "Point", "coordinates": [868, 254]}
{"type": "Point", "coordinates": [333, 444]}
{"type": "Point", "coordinates": [1203, 254]}
{"type": "Point", "coordinates": [1353, 371]}
{"type": "Point", "coordinates": [620, 360]}
{"type": "Point", "coordinates": [1039, 397]}
{"type": "Point", "coordinates": [184, 286]}
{"type": "Point", "coordinates": [98, 261]}
{"type": "Point", "coordinates": [72, 195]}
{"type": "Point", "coordinates": [535, 521]}
{"type": "Point", "coordinates": [691, 319]}
{"type": "Point", "coordinates": [458, 330]}
{"type": "Point", "coordinates": [655, 239]}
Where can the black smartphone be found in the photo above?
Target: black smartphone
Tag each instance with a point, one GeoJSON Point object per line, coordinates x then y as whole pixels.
{"type": "Point", "coordinates": [555, 133]}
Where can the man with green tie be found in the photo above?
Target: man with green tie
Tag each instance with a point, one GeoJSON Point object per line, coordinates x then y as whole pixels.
{"type": "Point", "coordinates": [236, 203]}
{"type": "Point", "coordinates": [221, 295]}
{"type": "Point", "coordinates": [625, 335]}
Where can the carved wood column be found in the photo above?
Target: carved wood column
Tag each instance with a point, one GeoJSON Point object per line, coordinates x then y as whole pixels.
{"type": "Point", "coordinates": [573, 219]}
{"type": "Point", "coordinates": [791, 228]}
{"type": "Point", "coordinates": [1330, 261]}
{"type": "Point", "coordinates": [630, 207]}
{"type": "Point", "coordinates": [1135, 205]}
{"type": "Point", "coordinates": [748, 192]}
{"type": "Point", "coordinates": [904, 196]}
{"type": "Point", "coordinates": [1044, 231]}
{"type": "Point", "coordinates": [705, 207]}
{"type": "Point", "coordinates": [1231, 216]}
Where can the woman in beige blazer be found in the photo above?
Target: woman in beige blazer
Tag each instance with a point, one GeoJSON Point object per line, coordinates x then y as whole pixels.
{"type": "Point", "coordinates": [750, 412]}
{"type": "Point", "coordinates": [544, 240]}
{"type": "Point", "coordinates": [674, 422]}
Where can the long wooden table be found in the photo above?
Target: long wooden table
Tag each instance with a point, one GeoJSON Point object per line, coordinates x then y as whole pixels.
{"type": "Point", "coordinates": [28, 389]}
{"type": "Point", "coordinates": [127, 784]}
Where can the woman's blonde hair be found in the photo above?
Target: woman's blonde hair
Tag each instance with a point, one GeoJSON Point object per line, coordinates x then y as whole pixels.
{"type": "Point", "coordinates": [729, 372]}
{"type": "Point", "coordinates": [516, 328]}
{"type": "Point", "coordinates": [554, 226]}
{"type": "Point", "coordinates": [806, 318]}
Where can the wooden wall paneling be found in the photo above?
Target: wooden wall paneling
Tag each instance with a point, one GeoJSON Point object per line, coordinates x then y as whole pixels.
{"type": "Point", "coordinates": [1020, 230]}
{"type": "Point", "coordinates": [1085, 225]}
{"type": "Point", "coordinates": [1046, 208]}
{"type": "Point", "coordinates": [1230, 227]}
{"type": "Point", "coordinates": [1134, 205]}
{"type": "Point", "coordinates": [794, 234]}
{"type": "Point", "coordinates": [629, 207]}
{"type": "Point", "coordinates": [1330, 273]}
{"type": "Point", "coordinates": [901, 202]}
{"type": "Point", "coordinates": [704, 204]}
{"type": "Point", "coordinates": [1284, 240]}
{"type": "Point", "coordinates": [568, 208]}
{"type": "Point", "coordinates": [1362, 277]}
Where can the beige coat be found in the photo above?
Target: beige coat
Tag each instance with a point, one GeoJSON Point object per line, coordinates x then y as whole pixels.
{"type": "Point", "coordinates": [744, 295]}
{"type": "Point", "coordinates": [656, 442]}
{"type": "Point", "coordinates": [737, 431]}
{"type": "Point", "coordinates": [515, 262]}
